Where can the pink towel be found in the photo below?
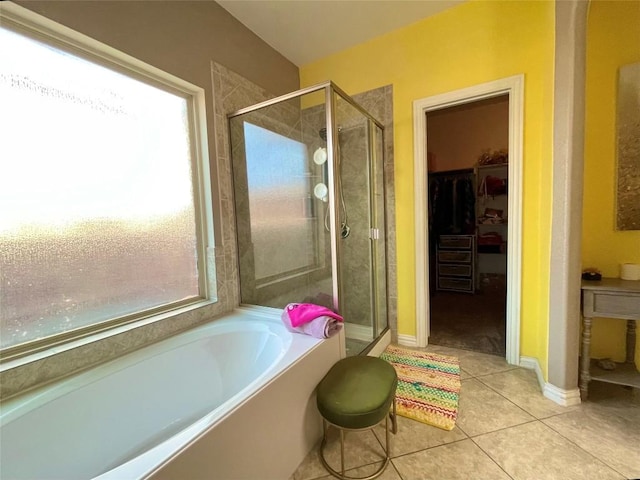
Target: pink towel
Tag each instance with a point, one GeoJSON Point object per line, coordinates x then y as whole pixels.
{"type": "Point", "coordinates": [321, 327]}
{"type": "Point", "coordinates": [301, 313]}
{"type": "Point", "coordinates": [324, 324]}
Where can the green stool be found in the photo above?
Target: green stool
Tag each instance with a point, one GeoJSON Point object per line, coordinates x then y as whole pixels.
{"type": "Point", "coordinates": [356, 395]}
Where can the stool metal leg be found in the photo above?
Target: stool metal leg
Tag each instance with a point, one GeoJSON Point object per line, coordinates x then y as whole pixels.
{"type": "Point", "coordinates": [386, 437]}
{"type": "Point", "coordinates": [394, 418]}
{"type": "Point", "coordinates": [342, 452]}
{"type": "Point", "coordinates": [387, 450]}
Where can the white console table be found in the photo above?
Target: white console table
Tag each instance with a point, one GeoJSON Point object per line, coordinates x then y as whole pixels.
{"type": "Point", "coordinates": [610, 298]}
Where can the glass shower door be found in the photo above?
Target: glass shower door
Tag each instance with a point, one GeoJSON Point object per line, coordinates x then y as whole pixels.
{"type": "Point", "coordinates": [361, 220]}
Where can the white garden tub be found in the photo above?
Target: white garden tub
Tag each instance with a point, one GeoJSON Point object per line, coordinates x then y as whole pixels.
{"type": "Point", "coordinates": [218, 401]}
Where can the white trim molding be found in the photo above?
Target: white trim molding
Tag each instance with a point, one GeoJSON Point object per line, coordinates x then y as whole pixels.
{"type": "Point", "coordinates": [566, 398]}
{"type": "Point", "coordinates": [514, 87]}
{"type": "Point", "coordinates": [531, 363]}
{"type": "Point", "coordinates": [407, 340]}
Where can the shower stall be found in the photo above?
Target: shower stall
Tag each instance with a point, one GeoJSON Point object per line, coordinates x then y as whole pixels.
{"type": "Point", "coordinates": [310, 207]}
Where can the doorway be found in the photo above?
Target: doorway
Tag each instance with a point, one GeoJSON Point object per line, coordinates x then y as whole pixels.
{"type": "Point", "coordinates": [513, 87]}
{"type": "Point", "coordinates": [467, 167]}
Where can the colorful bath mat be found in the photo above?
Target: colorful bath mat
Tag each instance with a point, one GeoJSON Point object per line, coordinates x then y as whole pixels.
{"type": "Point", "coordinates": [428, 386]}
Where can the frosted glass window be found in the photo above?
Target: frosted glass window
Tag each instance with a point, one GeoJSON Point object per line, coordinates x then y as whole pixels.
{"type": "Point", "coordinates": [97, 210]}
{"type": "Point", "coordinates": [280, 203]}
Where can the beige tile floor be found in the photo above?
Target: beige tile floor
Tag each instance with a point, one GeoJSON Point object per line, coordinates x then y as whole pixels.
{"type": "Point", "coordinates": [506, 429]}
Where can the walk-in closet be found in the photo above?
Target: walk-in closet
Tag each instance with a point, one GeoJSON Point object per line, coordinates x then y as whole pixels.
{"type": "Point", "coordinates": [468, 217]}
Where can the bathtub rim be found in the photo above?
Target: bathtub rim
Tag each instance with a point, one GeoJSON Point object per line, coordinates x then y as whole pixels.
{"type": "Point", "coordinates": [12, 407]}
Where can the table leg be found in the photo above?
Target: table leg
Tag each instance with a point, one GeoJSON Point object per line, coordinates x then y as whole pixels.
{"type": "Point", "coordinates": [585, 359]}
{"type": "Point", "coordinates": [631, 341]}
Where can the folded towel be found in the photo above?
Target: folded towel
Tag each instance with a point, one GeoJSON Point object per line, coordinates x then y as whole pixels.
{"type": "Point", "coordinates": [301, 313]}
{"type": "Point", "coordinates": [320, 327]}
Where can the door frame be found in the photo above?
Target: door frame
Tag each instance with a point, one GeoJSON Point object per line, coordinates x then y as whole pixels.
{"type": "Point", "coordinates": [514, 87]}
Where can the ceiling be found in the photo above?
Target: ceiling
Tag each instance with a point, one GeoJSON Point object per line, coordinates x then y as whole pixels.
{"type": "Point", "coordinates": [307, 30]}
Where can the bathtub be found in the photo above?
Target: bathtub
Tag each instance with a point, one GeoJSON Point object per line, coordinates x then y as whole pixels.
{"type": "Point", "coordinates": [223, 400]}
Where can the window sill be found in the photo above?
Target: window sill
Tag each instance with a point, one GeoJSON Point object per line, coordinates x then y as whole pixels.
{"type": "Point", "coordinates": [34, 369]}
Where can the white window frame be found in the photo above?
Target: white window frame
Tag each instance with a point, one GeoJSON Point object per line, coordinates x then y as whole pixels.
{"type": "Point", "coordinates": [35, 26]}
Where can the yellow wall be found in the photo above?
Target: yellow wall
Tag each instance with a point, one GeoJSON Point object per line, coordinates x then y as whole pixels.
{"type": "Point", "coordinates": [469, 44]}
{"type": "Point", "coordinates": [613, 39]}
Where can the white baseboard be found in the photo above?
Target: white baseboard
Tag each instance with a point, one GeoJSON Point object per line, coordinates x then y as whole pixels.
{"type": "Point", "coordinates": [566, 398]}
{"type": "Point", "coordinates": [532, 363]}
{"type": "Point", "coordinates": [407, 340]}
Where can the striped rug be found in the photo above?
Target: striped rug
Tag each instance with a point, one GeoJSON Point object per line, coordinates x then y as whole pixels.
{"type": "Point", "coordinates": [428, 385]}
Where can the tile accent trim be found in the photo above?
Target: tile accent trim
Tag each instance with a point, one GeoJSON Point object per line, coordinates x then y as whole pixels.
{"type": "Point", "coordinates": [566, 398]}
